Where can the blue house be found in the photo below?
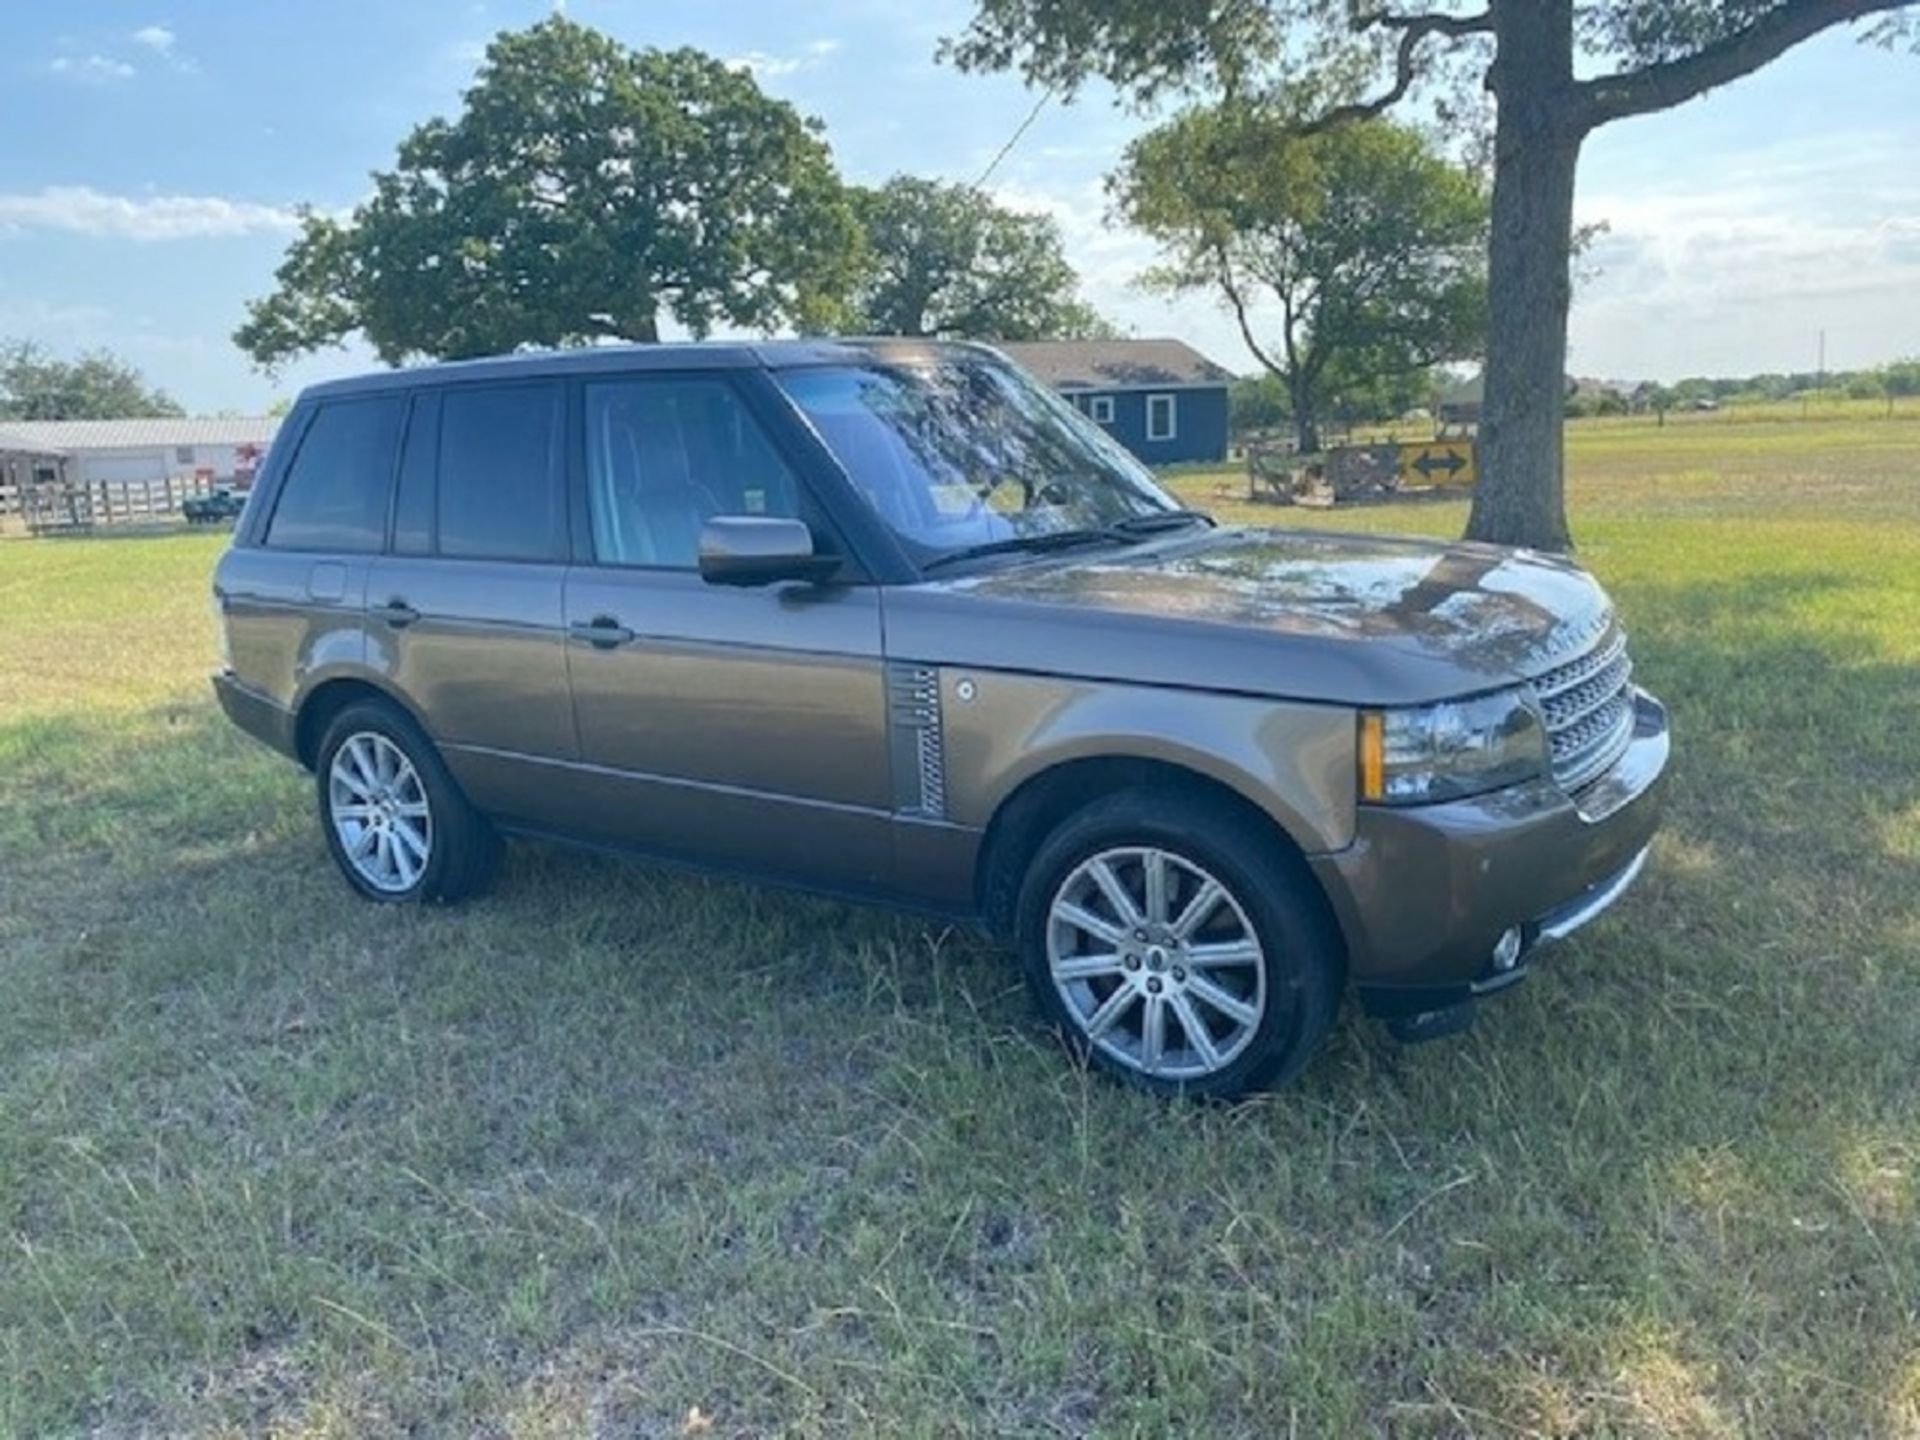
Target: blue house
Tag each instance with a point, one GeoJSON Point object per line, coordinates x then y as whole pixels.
{"type": "Point", "coordinates": [1162, 399]}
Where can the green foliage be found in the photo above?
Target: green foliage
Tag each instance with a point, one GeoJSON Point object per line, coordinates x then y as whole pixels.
{"type": "Point", "coordinates": [944, 259]}
{"type": "Point", "coordinates": [96, 386]}
{"type": "Point", "coordinates": [585, 191]}
{"type": "Point", "coordinates": [1371, 244]}
{"type": "Point", "coordinates": [1903, 377]}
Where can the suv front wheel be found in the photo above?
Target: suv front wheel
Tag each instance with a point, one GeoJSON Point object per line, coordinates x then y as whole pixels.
{"type": "Point", "coordinates": [1168, 938]}
{"type": "Point", "coordinates": [394, 818]}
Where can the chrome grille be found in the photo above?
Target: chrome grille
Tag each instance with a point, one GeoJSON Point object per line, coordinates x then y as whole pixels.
{"type": "Point", "coordinates": [1588, 707]}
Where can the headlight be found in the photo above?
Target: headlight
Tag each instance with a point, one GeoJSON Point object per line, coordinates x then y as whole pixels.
{"type": "Point", "coordinates": [1445, 751]}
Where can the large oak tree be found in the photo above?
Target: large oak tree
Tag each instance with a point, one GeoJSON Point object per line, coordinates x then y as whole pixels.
{"type": "Point", "coordinates": [585, 191]}
{"type": "Point", "coordinates": [1370, 245]}
{"type": "Point", "coordinates": [1354, 59]}
{"type": "Point", "coordinates": [946, 259]}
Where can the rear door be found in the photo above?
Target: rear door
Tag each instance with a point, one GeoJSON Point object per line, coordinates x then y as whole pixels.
{"type": "Point", "coordinates": [294, 594]}
{"type": "Point", "coordinates": [742, 727]}
{"type": "Point", "coordinates": [465, 614]}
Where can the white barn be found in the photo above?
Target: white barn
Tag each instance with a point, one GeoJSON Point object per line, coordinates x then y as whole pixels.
{"type": "Point", "coordinates": [220, 451]}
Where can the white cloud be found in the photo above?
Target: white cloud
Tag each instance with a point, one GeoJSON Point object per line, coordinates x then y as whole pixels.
{"type": "Point", "coordinates": [763, 64]}
{"type": "Point", "coordinates": [1742, 273]}
{"type": "Point", "coordinates": [157, 38]}
{"type": "Point", "coordinates": [91, 69]}
{"type": "Point", "coordinates": [82, 210]}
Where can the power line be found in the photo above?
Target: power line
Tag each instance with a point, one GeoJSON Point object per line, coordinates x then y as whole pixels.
{"type": "Point", "coordinates": [1014, 139]}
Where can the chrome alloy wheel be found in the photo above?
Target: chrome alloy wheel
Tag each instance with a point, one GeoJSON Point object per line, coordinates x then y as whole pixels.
{"type": "Point", "coordinates": [379, 812]}
{"type": "Point", "coordinates": [1157, 962]}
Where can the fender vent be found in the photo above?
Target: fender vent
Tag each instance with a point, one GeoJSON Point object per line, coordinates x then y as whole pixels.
{"type": "Point", "coordinates": [914, 738]}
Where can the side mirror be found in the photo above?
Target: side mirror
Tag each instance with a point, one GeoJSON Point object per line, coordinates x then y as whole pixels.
{"type": "Point", "coordinates": [760, 550]}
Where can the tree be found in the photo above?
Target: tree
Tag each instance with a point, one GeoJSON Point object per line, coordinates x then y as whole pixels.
{"type": "Point", "coordinates": [585, 192]}
{"type": "Point", "coordinates": [1372, 245]}
{"type": "Point", "coordinates": [944, 259]}
{"type": "Point", "coordinates": [95, 386]}
{"type": "Point", "coordinates": [1342, 60]}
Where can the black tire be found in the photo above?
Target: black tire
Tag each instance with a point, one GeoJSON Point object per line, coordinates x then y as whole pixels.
{"type": "Point", "coordinates": [1270, 893]}
{"type": "Point", "coordinates": [463, 849]}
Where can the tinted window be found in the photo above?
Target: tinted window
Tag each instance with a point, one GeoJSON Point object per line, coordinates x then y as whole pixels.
{"type": "Point", "coordinates": [335, 494]}
{"type": "Point", "coordinates": [499, 493]}
{"type": "Point", "coordinates": [413, 505]}
{"type": "Point", "coordinates": [665, 455]}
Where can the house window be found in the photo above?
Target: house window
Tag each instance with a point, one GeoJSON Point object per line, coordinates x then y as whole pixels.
{"type": "Point", "coordinates": [1160, 422]}
{"type": "Point", "coordinates": [1100, 409]}
{"type": "Point", "coordinates": [183, 454]}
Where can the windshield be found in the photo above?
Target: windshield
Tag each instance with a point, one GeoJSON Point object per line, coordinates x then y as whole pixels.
{"type": "Point", "coordinates": [955, 454]}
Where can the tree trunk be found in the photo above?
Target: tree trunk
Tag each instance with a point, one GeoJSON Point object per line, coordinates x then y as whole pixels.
{"type": "Point", "coordinates": [1300, 393]}
{"type": "Point", "coordinates": [1306, 429]}
{"type": "Point", "coordinates": [1521, 495]}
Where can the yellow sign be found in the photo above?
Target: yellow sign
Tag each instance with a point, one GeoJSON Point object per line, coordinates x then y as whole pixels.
{"type": "Point", "coordinates": [1438, 462]}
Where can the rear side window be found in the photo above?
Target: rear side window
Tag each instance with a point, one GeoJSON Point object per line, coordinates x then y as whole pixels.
{"type": "Point", "coordinates": [499, 493]}
{"type": "Point", "coordinates": [335, 493]}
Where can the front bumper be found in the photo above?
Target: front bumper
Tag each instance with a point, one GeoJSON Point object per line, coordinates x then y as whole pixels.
{"type": "Point", "coordinates": [1425, 893]}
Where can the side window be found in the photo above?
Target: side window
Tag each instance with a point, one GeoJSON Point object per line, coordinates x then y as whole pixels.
{"type": "Point", "coordinates": [335, 493]}
{"type": "Point", "coordinates": [413, 505]}
{"type": "Point", "coordinates": [1160, 413]}
{"type": "Point", "coordinates": [500, 495]}
{"type": "Point", "coordinates": [663, 456]}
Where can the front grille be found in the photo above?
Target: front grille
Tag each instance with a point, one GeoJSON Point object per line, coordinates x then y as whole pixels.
{"type": "Point", "coordinates": [1588, 706]}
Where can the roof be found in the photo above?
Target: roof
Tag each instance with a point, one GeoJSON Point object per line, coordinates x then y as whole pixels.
{"type": "Point", "coordinates": [671, 355]}
{"type": "Point", "coordinates": [1115, 364]}
{"type": "Point", "coordinates": [1092, 364]}
{"type": "Point", "coordinates": [60, 437]}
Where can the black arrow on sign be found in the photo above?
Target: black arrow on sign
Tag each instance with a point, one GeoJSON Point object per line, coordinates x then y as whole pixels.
{"type": "Point", "coordinates": [1428, 462]}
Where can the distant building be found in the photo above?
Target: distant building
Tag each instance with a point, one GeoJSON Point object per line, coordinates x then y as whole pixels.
{"type": "Point", "coordinates": [1458, 401]}
{"type": "Point", "coordinates": [117, 452]}
{"type": "Point", "coordinates": [1162, 399]}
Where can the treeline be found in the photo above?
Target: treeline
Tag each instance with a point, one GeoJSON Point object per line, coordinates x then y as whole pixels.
{"type": "Point", "coordinates": [1902, 377]}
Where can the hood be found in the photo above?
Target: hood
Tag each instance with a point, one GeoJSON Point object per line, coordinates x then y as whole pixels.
{"type": "Point", "coordinates": [1306, 615]}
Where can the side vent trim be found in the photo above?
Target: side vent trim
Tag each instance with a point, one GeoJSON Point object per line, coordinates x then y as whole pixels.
{"type": "Point", "coordinates": [915, 740]}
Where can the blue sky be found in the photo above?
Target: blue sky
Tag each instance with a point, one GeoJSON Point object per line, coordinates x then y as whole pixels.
{"type": "Point", "coordinates": [150, 154]}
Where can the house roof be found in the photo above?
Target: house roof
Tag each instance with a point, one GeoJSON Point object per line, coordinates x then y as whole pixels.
{"type": "Point", "coordinates": [1115, 364]}
{"type": "Point", "coordinates": [60, 437]}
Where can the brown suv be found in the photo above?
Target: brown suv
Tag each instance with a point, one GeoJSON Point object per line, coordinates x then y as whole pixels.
{"type": "Point", "coordinates": [892, 620]}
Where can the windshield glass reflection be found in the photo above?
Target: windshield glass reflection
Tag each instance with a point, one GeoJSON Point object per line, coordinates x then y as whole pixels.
{"type": "Point", "coordinates": [959, 452]}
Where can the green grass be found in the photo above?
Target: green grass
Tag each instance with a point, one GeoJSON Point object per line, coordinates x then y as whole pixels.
{"type": "Point", "coordinates": [609, 1145]}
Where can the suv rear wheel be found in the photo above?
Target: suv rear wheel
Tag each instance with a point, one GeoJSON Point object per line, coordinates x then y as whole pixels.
{"type": "Point", "coordinates": [394, 818]}
{"type": "Point", "coordinates": [1176, 946]}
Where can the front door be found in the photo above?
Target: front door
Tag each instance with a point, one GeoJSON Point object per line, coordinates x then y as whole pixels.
{"type": "Point", "coordinates": [465, 615]}
{"type": "Point", "coordinates": [739, 727]}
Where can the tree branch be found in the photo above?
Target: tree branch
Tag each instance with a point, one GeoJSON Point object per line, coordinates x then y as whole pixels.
{"type": "Point", "coordinates": [1413, 29]}
{"type": "Point", "coordinates": [1659, 87]}
{"type": "Point", "coordinates": [1239, 304]}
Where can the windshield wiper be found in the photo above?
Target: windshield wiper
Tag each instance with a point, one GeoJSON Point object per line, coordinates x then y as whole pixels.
{"type": "Point", "coordinates": [1031, 544]}
{"type": "Point", "coordinates": [1159, 520]}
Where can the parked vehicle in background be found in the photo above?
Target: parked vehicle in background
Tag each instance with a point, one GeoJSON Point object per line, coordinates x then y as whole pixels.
{"type": "Point", "coordinates": [224, 503]}
{"type": "Point", "coordinates": [889, 619]}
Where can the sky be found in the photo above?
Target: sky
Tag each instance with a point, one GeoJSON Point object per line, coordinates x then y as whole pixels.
{"type": "Point", "coordinates": [151, 156]}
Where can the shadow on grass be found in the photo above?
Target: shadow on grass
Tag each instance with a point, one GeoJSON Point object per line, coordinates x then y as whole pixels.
{"type": "Point", "coordinates": [610, 1143]}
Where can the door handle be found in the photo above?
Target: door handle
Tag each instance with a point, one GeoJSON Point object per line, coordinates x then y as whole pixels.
{"type": "Point", "coordinates": [603, 632]}
{"type": "Point", "coordinates": [398, 614]}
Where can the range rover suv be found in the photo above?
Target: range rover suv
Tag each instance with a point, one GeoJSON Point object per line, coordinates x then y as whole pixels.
{"type": "Point", "coordinates": [892, 620]}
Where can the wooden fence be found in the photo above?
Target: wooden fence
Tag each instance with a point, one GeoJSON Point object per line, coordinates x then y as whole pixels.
{"type": "Point", "coordinates": [55, 506]}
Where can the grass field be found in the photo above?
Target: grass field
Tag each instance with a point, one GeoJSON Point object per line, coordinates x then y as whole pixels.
{"type": "Point", "coordinates": [608, 1147]}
